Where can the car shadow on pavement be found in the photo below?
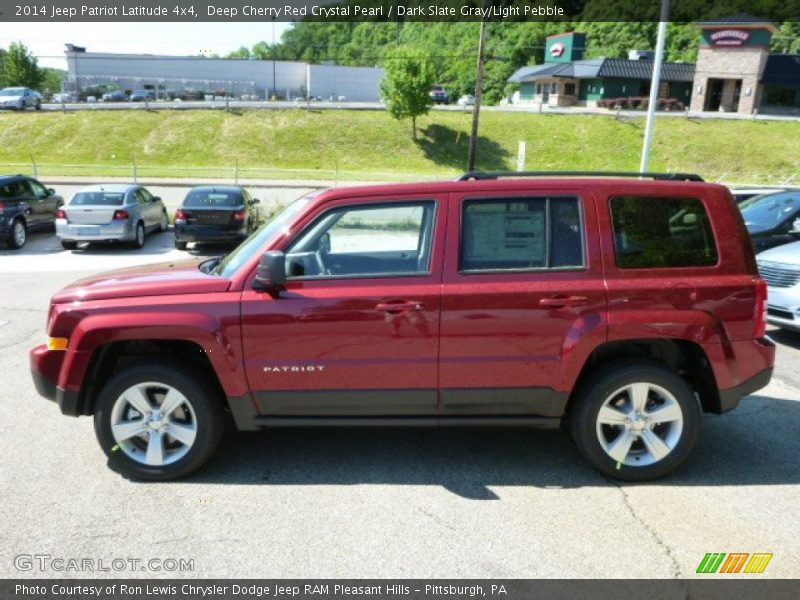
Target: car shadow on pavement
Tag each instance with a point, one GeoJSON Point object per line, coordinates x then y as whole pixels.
{"type": "Point", "coordinates": [786, 338]}
{"type": "Point", "coordinates": [154, 244]}
{"type": "Point", "coordinates": [755, 445]}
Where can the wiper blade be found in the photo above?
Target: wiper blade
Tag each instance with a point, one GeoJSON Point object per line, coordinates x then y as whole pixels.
{"type": "Point", "coordinates": [208, 266]}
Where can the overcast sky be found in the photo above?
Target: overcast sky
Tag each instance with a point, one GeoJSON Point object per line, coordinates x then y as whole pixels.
{"type": "Point", "coordinates": [46, 40]}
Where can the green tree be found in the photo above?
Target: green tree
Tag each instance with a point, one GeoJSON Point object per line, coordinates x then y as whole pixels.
{"type": "Point", "coordinates": [51, 83]}
{"type": "Point", "coordinates": [2, 68]}
{"type": "Point", "coordinates": [406, 85]}
{"type": "Point", "coordinates": [21, 68]}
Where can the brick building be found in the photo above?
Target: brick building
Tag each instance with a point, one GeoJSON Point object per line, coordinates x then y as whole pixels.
{"type": "Point", "coordinates": [735, 72]}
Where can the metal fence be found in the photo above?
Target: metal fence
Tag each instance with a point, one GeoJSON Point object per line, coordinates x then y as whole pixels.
{"type": "Point", "coordinates": [132, 170]}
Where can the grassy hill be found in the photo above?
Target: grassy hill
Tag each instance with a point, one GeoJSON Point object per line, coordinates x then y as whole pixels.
{"type": "Point", "coordinates": [371, 145]}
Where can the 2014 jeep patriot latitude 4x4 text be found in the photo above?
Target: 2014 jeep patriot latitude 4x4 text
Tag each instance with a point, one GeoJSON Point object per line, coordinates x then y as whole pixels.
{"type": "Point", "coordinates": [622, 307]}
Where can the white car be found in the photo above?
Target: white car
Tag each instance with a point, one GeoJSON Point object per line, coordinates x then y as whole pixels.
{"type": "Point", "coordinates": [780, 268]}
{"type": "Point", "coordinates": [20, 98]}
{"type": "Point", "coordinates": [466, 100]}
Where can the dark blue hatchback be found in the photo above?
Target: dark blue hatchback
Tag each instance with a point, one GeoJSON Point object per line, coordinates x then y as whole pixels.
{"type": "Point", "coordinates": [212, 213]}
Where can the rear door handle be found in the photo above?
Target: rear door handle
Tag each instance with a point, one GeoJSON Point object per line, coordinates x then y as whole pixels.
{"type": "Point", "coordinates": [401, 306]}
{"type": "Point", "coordinates": [557, 302]}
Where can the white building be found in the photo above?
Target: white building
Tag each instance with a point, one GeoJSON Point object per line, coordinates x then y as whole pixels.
{"type": "Point", "coordinates": [237, 77]}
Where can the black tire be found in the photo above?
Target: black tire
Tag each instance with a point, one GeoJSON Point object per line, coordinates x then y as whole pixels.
{"type": "Point", "coordinates": [600, 386]}
{"type": "Point", "coordinates": [180, 245]}
{"type": "Point", "coordinates": [13, 241]}
{"type": "Point", "coordinates": [206, 404]}
{"type": "Point", "coordinates": [39, 105]}
{"type": "Point", "coordinates": [69, 245]}
{"type": "Point", "coordinates": [138, 240]}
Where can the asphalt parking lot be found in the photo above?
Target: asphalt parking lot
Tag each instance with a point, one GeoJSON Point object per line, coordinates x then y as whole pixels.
{"type": "Point", "coordinates": [378, 503]}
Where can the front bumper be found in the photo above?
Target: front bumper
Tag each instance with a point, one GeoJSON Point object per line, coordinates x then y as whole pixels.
{"type": "Point", "coordinates": [121, 231]}
{"type": "Point", "coordinates": [783, 307]}
{"type": "Point", "coordinates": [45, 367]}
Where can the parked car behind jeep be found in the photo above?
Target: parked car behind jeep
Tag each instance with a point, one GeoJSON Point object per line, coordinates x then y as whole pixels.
{"type": "Point", "coordinates": [110, 213]}
{"type": "Point", "coordinates": [215, 213]}
{"type": "Point", "coordinates": [780, 267]}
{"type": "Point", "coordinates": [25, 205]}
{"type": "Point", "coordinates": [770, 218]}
{"type": "Point", "coordinates": [620, 307]}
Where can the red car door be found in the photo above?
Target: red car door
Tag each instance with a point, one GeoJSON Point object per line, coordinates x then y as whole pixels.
{"type": "Point", "coordinates": [356, 332]}
{"type": "Point", "coordinates": [523, 301]}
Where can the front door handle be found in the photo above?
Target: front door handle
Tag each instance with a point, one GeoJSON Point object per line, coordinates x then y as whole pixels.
{"type": "Point", "coordinates": [559, 302]}
{"type": "Point", "coordinates": [400, 306]}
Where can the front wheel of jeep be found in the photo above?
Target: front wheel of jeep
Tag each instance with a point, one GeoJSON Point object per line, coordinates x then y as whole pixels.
{"type": "Point", "coordinates": [158, 421]}
{"type": "Point", "coordinates": [635, 421]}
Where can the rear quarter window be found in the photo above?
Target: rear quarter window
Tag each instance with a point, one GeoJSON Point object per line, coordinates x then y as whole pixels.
{"type": "Point", "coordinates": [662, 232]}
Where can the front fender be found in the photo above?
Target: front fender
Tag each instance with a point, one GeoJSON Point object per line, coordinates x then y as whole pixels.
{"type": "Point", "coordinates": [205, 330]}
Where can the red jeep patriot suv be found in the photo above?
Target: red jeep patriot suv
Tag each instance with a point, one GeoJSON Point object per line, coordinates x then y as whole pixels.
{"type": "Point", "coordinates": [621, 307]}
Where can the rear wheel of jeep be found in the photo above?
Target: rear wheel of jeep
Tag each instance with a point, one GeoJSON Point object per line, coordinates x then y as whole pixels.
{"type": "Point", "coordinates": [635, 421]}
{"type": "Point", "coordinates": [158, 421]}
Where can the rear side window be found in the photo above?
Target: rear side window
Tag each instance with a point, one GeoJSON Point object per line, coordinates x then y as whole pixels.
{"type": "Point", "coordinates": [659, 232]}
{"type": "Point", "coordinates": [502, 234]}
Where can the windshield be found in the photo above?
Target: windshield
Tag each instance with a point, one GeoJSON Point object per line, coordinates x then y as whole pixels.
{"type": "Point", "coordinates": [770, 210]}
{"type": "Point", "coordinates": [11, 92]}
{"type": "Point", "coordinates": [97, 199]}
{"type": "Point", "coordinates": [231, 263]}
{"type": "Point", "coordinates": [211, 198]}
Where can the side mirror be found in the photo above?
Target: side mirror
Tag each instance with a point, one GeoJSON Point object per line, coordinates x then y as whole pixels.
{"type": "Point", "coordinates": [156, 198]}
{"type": "Point", "coordinates": [255, 201]}
{"type": "Point", "coordinates": [271, 272]}
{"type": "Point", "coordinates": [51, 192]}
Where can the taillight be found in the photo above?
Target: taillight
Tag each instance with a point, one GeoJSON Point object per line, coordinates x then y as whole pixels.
{"type": "Point", "coordinates": [760, 316]}
{"type": "Point", "coordinates": [61, 214]}
{"type": "Point", "coordinates": [2, 207]}
{"type": "Point", "coordinates": [180, 215]}
{"type": "Point", "coordinates": [240, 215]}
{"type": "Point", "coordinates": [121, 215]}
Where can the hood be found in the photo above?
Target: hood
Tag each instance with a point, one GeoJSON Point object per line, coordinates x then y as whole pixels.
{"type": "Point", "coordinates": [787, 254]}
{"type": "Point", "coordinates": [158, 279]}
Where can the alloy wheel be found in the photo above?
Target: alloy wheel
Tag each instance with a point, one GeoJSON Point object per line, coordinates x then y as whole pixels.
{"type": "Point", "coordinates": [19, 233]}
{"type": "Point", "coordinates": [639, 424]}
{"type": "Point", "coordinates": [154, 424]}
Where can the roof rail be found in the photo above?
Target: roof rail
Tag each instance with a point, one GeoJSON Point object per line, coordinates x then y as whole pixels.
{"type": "Point", "coordinates": [484, 175]}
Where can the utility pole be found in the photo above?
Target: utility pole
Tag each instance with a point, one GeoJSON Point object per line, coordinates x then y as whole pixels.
{"type": "Point", "coordinates": [274, 77]}
{"type": "Point", "coordinates": [476, 110]}
{"type": "Point", "coordinates": [655, 83]}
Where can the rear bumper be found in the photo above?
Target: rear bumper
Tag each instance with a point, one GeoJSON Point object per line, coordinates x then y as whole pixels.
{"type": "Point", "coordinates": [45, 367]}
{"type": "Point", "coordinates": [729, 399]}
{"type": "Point", "coordinates": [116, 231]}
{"type": "Point", "coordinates": [209, 233]}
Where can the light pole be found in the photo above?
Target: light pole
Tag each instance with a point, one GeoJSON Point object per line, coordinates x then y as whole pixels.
{"type": "Point", "coordinates": [655, 83]}
{"type": "Point", "coordinates": [274, 76]}
{"type": "Point", "coordinates": [476, 110]}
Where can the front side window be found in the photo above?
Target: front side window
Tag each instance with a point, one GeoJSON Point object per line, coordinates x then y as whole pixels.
{"type": "Point", "coordinates": [38, 189]}
{"type": "Point", "coordinates": [502, 234]}
{"type": "Point", "coordinates": [365, 241]}
{"type": "Point", "coordinates": [657, 232]}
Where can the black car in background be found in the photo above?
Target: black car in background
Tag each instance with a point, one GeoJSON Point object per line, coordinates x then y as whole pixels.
{"type": "Point", "coordinates": [214, 213]}
{"type": "Point", "coordinates": [771, 218]}
{"type": "Point", "coordinates": [25, 205]}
